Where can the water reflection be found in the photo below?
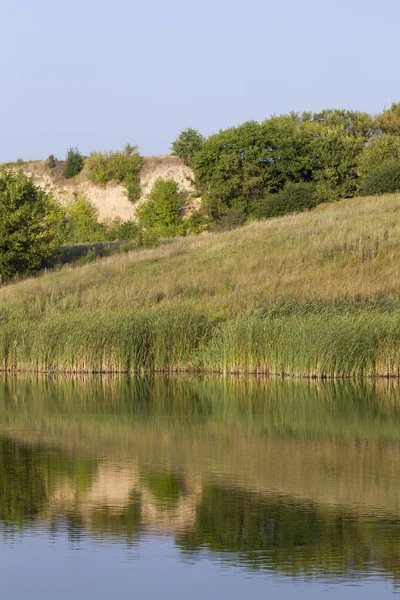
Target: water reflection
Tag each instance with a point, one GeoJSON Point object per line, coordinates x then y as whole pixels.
{"type": "Point", "coordinates": [288, 477]}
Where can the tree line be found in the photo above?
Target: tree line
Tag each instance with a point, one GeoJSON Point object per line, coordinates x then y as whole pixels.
{"type": "Point", "coordinates": [292, 162]}
{"type": "Point", "coordinates": [285, 164]}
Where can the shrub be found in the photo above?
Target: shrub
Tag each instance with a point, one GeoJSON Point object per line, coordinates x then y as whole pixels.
{"type": "Point", "coordinates": [51, 162]}
{"type": "Point", "coordinates": [82, 222]}
{"type": "Point", "coordinates": [30, 224]}
{"type": "Point", "coordinates": [196, 222]}
{"type": "Point", "coordinates": [188, 142]}
{"type": "Point", "coordinates": [122, 230]}
{"type": "Point", "coordinates": [295, 197]}
{"type": "Point", "coordinates": [162, 212]}
{"type": "Point", "coordinates": [74, 163]}
{"type": "Point", "coordinates": [122, 166]}
{"type": "Point", "coordinates": [233, 218]}
{"type": "Point", "coordinates": [384, 179]}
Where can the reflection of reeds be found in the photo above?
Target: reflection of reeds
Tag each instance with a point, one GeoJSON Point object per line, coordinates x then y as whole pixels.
{"type": "Point", "coordinates": [296, 476]}
{"type": "Point", "coordinates": [300, 295]}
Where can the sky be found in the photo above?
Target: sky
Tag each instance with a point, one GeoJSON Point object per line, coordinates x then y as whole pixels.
{"type": "Point", "coordinates": [97, 74]}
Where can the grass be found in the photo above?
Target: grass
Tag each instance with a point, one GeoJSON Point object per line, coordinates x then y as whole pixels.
{"type": "Point", "coordinates": [314, 294]}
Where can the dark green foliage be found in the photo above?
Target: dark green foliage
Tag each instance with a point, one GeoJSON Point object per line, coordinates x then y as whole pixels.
{"type": "Point", "coordinates": [122, 230]}
{"type": "Point", "coordinates": [187, 144]}
{"type": "Point", "coordinates": [74, 163]}
{"type": "Point", "coordinates": [237, 168]}
{"type": "Point", "coordinates": [123, 167]}
{"type": "Point", "coordinates": [162, 212]}
{"type": "Point", "coordinates": [295, 197]}
{"type": "Point", "coordinates": [233, 218]}
{"type": "Point", "coordinates": [51, 162]}
{"type": "Point", "coordinates": [384, 179]}
{"type": "Point", "coordinates": [196, 222]}
{"type": "Point", "coordinates": [31, 224]}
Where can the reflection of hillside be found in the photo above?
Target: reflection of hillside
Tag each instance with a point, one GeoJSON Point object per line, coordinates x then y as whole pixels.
{"type": "Point", "coordinates": [285, 475]}
{"type": "Point", "coordinates": [112, 488]}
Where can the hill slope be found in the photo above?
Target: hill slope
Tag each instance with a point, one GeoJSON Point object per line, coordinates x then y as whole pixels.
{"type": "Point", "coordinates": [309, 294]}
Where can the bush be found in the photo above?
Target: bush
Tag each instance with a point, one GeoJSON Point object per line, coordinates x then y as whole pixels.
{"type": "Point", "coordinates": [295, 197]}
{"type": "Point", "coordinates": [122, 166]}
{"type": "Point", "coordinates": [74, 163]}
{"type": "Point", "coordinates": [196, 222]}
{"type": "Point", "coordinates": [384, 179]}
{"type": "Point", "coordinates": [82, 222]}
{"type": "Point", "coordinates": [31, 224]}
{"type": "Point", "coordinates": [233, 218]}
{"type": "Point", "coordinates": [162, 212]}
{"type": "Point", "coordinates": [51, 162]}
{"type": "Point", "coordinates": [122, 230]}
{"type": "Point", "coordinates": [187, 144]}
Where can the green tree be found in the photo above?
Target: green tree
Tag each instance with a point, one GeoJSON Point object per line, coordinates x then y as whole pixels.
{"type": "Point", "coordinates": [31, 224]}
{"type": "Point", "coordinates": [82, 222]}
{"type": "Point", "coordinates": [51, 162]}
{"type": "Point", "coordinates": [237, 167]}
{"type": "Point", "coordinates": [389, 119]}
{"type": "Point", "coordinates": [335, 164]}
{"type": "Point", "coordinates": [74, 163]}
{"type": "Point", "coordinates": [378, 151]}
{"type": "Point", "coordinates": [162, 212]}
{"type": "Point", "coordinates": [188, 142]}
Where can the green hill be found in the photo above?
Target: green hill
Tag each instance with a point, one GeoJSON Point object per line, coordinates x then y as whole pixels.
{"type": "Point", "coordinates": [314, 294]}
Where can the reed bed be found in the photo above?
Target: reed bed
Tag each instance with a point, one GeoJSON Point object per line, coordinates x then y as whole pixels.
{"type": "Point", "coordinates": [309, 295]}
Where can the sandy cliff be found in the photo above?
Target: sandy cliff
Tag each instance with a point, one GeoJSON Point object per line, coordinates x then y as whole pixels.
{"type": "Point", "coordinates": [111, 200]}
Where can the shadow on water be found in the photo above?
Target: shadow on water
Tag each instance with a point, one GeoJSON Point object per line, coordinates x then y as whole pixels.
{"type": "Point", "coordinates": [286, 476]}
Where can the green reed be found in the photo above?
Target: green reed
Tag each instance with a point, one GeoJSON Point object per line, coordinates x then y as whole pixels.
{"type": "Point", "coordinates": [316, 341]}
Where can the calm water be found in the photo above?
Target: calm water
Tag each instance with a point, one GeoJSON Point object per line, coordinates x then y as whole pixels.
{"type": "Point", "coordinates": [198, 488]}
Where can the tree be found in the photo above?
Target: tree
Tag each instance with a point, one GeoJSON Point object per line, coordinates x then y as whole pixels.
{"type": "Point", "coordinates": [82, 223]}
{"type": "Point", "coordinates": [51, 162]}
{"type": "Point", "coordinates": [389, 119]}
{"type": "Point", "coordinates": [238, 166]}
{"type": "Point", "coordinates": [187, 144]}
{"type": "Point", "coordinates": [30, 224]}
{"type": "Point", "coordinates": [162, 212]}
{"type": "Point", "coordinates": [378, 151]}
{"type": "Point", "coordinates": [335, 166]}
{"type": "Point", "coordinates": [74, 163]}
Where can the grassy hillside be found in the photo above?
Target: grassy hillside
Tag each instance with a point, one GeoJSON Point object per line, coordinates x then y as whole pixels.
{"type": "Point", "coordinates": [311, 294]}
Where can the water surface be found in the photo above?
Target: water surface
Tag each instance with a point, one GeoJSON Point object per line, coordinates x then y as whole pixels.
{"type": "Point", "coordinates": [198, 487]}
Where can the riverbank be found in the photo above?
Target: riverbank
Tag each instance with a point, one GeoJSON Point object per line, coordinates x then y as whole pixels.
{"type": "Point", "coordinates": [309, 295]}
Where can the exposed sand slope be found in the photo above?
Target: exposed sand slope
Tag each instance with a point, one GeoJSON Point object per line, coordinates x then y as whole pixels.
{"type": "Point", "coordinates": [111, 200]}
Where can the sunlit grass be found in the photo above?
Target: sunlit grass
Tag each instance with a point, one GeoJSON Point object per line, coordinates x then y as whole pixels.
{"type": "Point", "coordinates": [315, 294]}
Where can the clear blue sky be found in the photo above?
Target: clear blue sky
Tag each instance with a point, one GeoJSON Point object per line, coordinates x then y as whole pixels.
{"type": "Point", "coordinates": [99, 73]}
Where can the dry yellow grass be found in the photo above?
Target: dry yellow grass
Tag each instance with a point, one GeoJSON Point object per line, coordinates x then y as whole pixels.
{"type": "Point", "coordinates": [350, 249]}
